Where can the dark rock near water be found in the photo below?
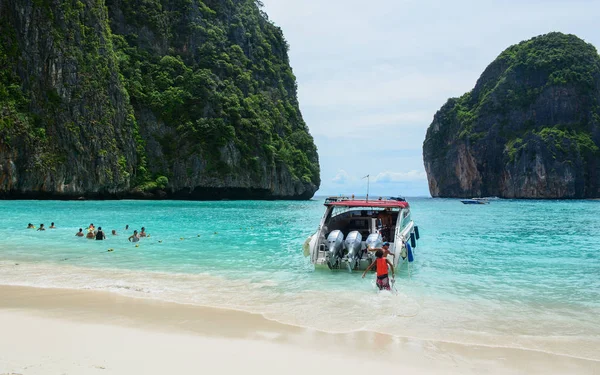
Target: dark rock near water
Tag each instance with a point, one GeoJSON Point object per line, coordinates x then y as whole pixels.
{"type": "Point", "coordinates": [152, 99]}
{"type": "Point", "coordinates": [529, 129]}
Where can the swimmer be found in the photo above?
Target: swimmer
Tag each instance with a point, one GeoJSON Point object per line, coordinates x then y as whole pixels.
{"type": "Point", "coordinates": [114, 232]}
{"type": "Point", "coordinates": [127, 227]}
{"type": "Point", "coordinates": [80, 233]}
{"type": "Point", "coordinates": [52, 225]}
{"type": "Point", "coordinates": [143, 232]}
{"type": "Point", "coordinates": [100, 234]}
{"type": "Point", "coordinates": [90, 234]}
{"type": "Point", "coordinates": [41, 227]}
{"type": "Point", "coordinates": [134, 237]}
{"type": "Point", "coordinates": [30, 226]}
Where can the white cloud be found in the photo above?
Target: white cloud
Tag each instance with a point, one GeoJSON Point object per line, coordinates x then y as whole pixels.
{"type": "Point", "coordinates": [393, 177]}
{"type": "Point", "coordinates": [341, 177]}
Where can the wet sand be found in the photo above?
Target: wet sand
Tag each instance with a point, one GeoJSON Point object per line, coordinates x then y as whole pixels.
{"type": "Point", "coordinates": [60, 331]}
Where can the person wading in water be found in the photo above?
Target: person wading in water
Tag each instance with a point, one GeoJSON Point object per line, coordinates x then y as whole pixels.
{"type": "Point", "coordinates": [100, 234]}
{"type": "Point", "coordinates": [383, 280]}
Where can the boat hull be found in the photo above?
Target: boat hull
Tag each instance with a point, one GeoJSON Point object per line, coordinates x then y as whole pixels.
{"type": "Point", "coordinates": [472, 201]}
{"type": "Point", "coordinates": [317, 247]}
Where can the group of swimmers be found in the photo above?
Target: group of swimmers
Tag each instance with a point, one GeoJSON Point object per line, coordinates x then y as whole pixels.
{"type": "Point", "coordinates": [98, 234]}
{"type": "Point", "coordinates": [31, 226]}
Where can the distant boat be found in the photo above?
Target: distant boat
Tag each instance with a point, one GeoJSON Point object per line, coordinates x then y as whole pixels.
{"type": "Point", "coordinates": [476, 201]}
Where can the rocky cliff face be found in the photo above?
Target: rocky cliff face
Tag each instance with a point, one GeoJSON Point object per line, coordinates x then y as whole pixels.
{"type": "Point", "coordinates": [176, 99]}
{"type": "Point", "coordinates": [65, 119]}
{"type": "Point", "coordinates": [529, 129]}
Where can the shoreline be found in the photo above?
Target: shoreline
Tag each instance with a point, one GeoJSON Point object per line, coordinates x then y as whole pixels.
{"type": "Point", "coordinates": [185, 194]}
{"type": "Point", "coordinates": [146, 320]}
{"type": "Point", "coordinates": [417, 326]}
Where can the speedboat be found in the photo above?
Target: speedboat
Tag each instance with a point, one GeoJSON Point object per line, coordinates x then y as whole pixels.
{"type": "Point", "coordinates": [476, 201]}
{"type": "Point", "coordinates": [351, 229]}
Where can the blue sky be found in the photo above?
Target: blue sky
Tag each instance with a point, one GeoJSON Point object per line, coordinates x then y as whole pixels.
{"type": "Point", "coordinates": [371, 75]}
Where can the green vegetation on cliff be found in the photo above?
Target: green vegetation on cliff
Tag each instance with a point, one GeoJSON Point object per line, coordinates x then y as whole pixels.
{"type": "Point", "coordinates": [515, 80]}
{"type": "Point", "coordinates": [16, 123]}
{"type": "Point", "coordinates": [57, 80]}
{"type": "Point", "coordinates": [538, 102]}
{"type": "Point", "coordinates": [217, 73]}
{"type": "Point", "coordinates": [115, 96]}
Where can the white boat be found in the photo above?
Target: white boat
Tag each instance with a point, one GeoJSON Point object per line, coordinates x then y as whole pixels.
{"type": "Point", "coordinates": [476, 201]}
{"type": "Point", "coordinates": [350, 227]}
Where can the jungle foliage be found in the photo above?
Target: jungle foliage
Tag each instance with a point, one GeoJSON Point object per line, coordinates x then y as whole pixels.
{"type": "Point", "coordinates": [518, 97]}
{"type": "Point", "coordinates": [217, 72]}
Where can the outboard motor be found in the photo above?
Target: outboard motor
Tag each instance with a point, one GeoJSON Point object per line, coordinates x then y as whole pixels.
{"type": "Point", "coordinates": [335, 245]}
{"type": "Point", "coordinates": [374, 241]}
{"type": "Point", "coordinates": [353, 244]}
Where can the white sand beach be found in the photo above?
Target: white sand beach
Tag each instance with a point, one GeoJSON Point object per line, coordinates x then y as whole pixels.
{"type": "Point", "coordinates": [58, 331]}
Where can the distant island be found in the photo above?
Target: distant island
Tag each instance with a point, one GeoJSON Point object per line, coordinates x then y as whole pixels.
{"type": "Point", "coordinates": [149, 99]}
{"type": "Point", "coordinates": [529, 129]}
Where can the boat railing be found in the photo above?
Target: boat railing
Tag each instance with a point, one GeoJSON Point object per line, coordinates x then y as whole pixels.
{"type": "Point", "coordinates": [336, 199]}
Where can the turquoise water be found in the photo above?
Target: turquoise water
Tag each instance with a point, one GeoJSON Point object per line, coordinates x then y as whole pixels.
{"type": "Point", "coordinates": [520, 274]}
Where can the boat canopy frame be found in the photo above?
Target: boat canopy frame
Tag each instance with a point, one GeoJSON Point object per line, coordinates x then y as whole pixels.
{"type": "Point", "coordinates": [387, 203]}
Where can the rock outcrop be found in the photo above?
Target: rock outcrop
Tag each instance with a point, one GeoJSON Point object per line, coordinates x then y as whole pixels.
{"type": "Point", "coordinates": [182, 99]}
{"type": "Point", "coordinates": [529, 129]}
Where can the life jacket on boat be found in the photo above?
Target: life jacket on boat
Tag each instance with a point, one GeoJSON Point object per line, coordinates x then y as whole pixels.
{"type": "Point", "coordinates": [382, 267]}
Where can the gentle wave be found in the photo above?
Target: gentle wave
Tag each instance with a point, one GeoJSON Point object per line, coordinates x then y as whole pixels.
{"type": "Point", "coordinates": [402, 314]}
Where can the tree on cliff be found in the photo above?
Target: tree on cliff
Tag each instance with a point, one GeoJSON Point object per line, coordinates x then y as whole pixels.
{"type": "Point", "coordinates": [112, 98]}
{"type": "Point", "coordinates": [529, 129]}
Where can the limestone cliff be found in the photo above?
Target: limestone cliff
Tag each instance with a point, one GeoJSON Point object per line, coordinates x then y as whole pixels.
{"type": "Point", "coordinates": [66, 126]}
{"type": "Point", "coordinates": [184, 99]}
{"type": "Point", "coordinates": [529, 129]}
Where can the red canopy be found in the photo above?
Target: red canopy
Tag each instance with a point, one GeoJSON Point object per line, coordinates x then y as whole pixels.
{"type": "Point", "coordinates": [370, 203]}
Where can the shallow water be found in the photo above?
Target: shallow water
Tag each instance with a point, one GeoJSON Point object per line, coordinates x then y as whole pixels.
{"type": "Point", "coordinates": [520, 274]}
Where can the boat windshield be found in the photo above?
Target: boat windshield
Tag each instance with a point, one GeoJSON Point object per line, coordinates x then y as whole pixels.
{"type": "Point", "coordinates": [363, 211]}
{"type": "Point", "coordinates": [366, 220]}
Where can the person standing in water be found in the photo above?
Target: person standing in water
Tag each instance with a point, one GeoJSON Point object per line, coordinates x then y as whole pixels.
{"type": "Point", "coordinates": [143, 232]}
{"type": "Point", "coordinates": [80, 233]}
{"type": "Point", "coordinates": [30, 226]}
{"type": "Point", "coordinates": [114, 232]}
{"type": "Point", "coordinates": [41, 227]}
{"type": "Point", "coordinates": [383, 281]}
{"type": "Point", "coordinates": [385, 248]}
{"type": "Point", "coordinates": [134, 237]}
{"type": "Point", "coordinates": [126, 227]}
{"type": "Point", "coordinates": [52, 225]}
{"type": "Point", "coordinates": [100, 234]}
